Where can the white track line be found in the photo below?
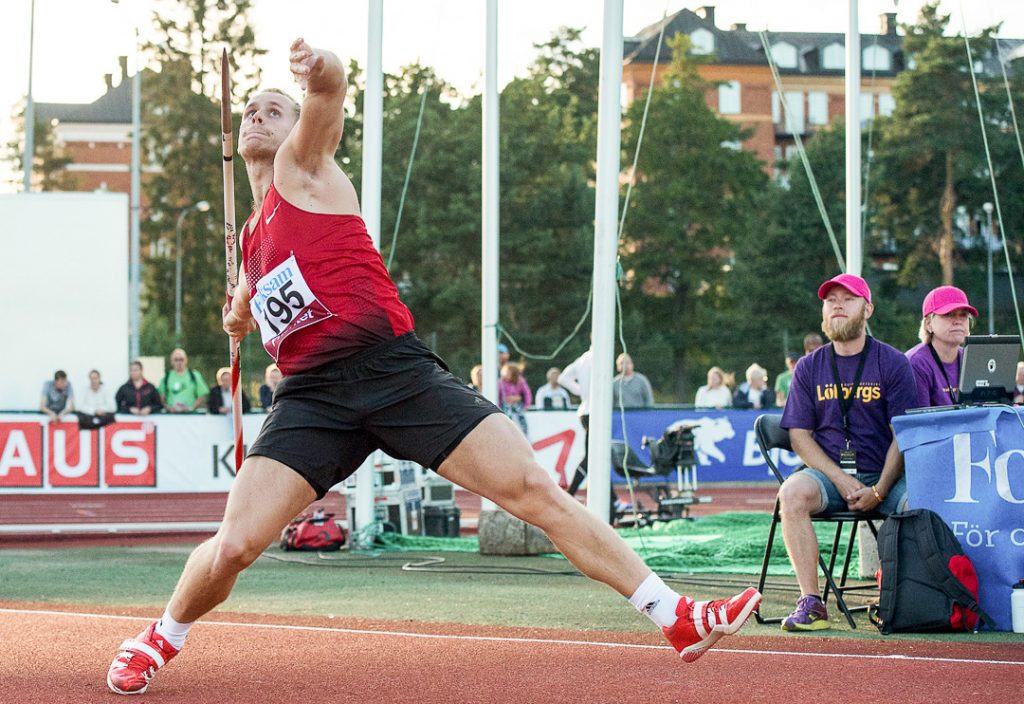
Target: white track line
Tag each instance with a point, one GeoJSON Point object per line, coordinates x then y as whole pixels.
{"type": "Point", "coordinates": [499, 639]}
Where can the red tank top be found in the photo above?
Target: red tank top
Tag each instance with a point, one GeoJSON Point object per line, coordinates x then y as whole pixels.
{"type": "Point", "coordinates": [318, 288]}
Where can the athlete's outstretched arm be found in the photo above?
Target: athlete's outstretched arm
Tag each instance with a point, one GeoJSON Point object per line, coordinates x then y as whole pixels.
{"type": "Point", "coordinates": [317, 134]}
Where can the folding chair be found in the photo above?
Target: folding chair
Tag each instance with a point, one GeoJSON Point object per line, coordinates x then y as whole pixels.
{"type": "Point", "coordinates": [771, 436]}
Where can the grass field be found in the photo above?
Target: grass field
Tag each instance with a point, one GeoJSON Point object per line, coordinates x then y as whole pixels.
{"type": "Point", "coordinates": [456, 587]}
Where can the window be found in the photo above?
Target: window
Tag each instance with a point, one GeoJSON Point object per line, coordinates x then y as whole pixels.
{"type": "Point", "coordinates": [729, 98]}
{"type": "Point", "coordinates": [784, 55]}
{"type": "Point", "coordinates": [866, 107]}
{"type": "Point", "coordinates": [703, 41]}
{"type": "Point", "coordinates": [817, 108]}
{"type": "Point", "coordinates": [886, 104]}
{"type": "Point", "coordinates": [776, 108]}
{"type": "Point", "coordinates": [794, 112]}
{"type": "Point", "coordinates": [876, 58]}
{"type": "Point", "coordinates": [833, 56]}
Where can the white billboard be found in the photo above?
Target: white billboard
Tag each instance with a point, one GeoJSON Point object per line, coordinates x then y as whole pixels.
{"type": "Point", "coordinates": [64, 291]}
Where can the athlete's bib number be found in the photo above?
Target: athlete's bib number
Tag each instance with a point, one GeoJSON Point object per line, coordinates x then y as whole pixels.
{"type": "Point", "coordinates": [283, 303]}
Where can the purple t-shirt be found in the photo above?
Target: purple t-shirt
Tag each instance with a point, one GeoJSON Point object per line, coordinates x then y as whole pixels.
{"type": "Point", "coordinates": [932, 389]}
{"type": "Point", "coordinates": [886, 389]}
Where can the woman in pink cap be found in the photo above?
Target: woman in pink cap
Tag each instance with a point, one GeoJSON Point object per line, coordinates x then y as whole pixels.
{"type": "Point", "coordinates": [946, 320]}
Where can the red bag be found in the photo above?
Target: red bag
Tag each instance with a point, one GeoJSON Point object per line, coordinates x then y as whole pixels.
{"type": "Point", "coordinates": [318, 531]}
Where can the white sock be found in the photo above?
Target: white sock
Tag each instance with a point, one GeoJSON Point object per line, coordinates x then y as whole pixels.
{"type": "Point", "coordinates": [657, 600]}
{"type": "Point", "coordinates": [173, 631]}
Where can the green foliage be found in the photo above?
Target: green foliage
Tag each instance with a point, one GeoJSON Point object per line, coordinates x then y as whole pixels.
{"type": "Point", "coordinates": [49, 165]}
{"type": "Point", "coordinates": [696, 198]}
{"type": "Point", "coordinates": [181, 124]}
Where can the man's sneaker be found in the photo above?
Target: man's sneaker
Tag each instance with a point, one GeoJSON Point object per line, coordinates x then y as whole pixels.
{"type": "Point", "coordinates": [137, 662]}
{"type": "Point", "coordinates": [701, 624]}
{"type": "Point", "coordinates": [810, 615]}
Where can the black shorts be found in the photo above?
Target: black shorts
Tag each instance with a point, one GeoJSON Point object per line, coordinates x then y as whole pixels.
{"type": "Point", "coordinates": [398, 397]}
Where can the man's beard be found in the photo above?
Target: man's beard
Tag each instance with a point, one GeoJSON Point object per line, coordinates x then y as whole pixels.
{"type": "Point", "coordinates": [844, 330]}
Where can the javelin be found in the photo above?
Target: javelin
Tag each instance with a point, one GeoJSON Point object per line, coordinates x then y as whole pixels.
{"type": "Point", "coordinates": [229, 248]}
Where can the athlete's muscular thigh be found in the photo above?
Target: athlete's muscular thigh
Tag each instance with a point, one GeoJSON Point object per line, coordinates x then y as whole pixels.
{"type": "Point", "coordinates": [266, 495]}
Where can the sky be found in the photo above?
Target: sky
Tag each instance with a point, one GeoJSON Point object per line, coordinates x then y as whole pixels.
{"type": "Point", "coordinates": [78, 41]}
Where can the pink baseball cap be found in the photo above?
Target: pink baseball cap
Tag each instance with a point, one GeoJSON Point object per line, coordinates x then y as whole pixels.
{"type": "Point", "coordinates": [854, 284]}
{"type": "Point", "coordinates": [946, 299]}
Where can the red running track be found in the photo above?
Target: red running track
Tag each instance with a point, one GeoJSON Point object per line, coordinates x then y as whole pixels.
{"type": "Point", "coordinates": [52, 658]}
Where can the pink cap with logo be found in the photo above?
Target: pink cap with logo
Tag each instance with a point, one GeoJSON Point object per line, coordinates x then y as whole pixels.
{"type": "Point", "coordinates": [854, 284]}
{"type": "Point", "coordinates": [946, 299]}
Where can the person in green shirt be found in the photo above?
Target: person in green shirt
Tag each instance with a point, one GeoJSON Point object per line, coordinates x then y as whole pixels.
{"type": "Point", "coordinates": [783, 380]}
{"type": "Point", "coordinates": [182, 389]}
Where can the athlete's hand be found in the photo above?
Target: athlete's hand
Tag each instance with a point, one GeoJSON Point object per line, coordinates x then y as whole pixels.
{"type": "Point", "coordinates": [235, 326]}
{"type": "Point", "coordinates": [305, 62]}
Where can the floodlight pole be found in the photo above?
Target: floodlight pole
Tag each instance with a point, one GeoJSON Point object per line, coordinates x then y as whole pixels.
{"type": "Point", "coordinates": [854, 246]}
{"type": "Point", "coordinates": [30, 107]}
{"type": "Point", "coordinates": [989, 237]}
{"type": "Point", "coordinates": [373, 147]}
{"type": "Point", "coordinates": [606, 239]}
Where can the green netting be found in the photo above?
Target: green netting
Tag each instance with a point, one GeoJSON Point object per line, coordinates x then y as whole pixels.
{"type": "Point", "coordinates": [725, 543]}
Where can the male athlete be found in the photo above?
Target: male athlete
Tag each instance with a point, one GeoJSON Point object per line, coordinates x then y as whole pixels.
{"type": "Point", "coordinates": [357, 378]}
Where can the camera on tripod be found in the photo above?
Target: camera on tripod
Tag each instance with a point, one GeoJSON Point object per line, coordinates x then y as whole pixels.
{"type": "Point", "coordinates": [674, 450]}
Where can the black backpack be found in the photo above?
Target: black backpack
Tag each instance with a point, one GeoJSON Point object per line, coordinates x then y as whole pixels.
{"type": "Point", "coordinates": [926, 582]}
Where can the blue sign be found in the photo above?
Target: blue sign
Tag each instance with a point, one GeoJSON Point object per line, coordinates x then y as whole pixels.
{"type": "Point", "coordinates": [968, 467]}
{"type": "Point", "coordinates": [724, 442]}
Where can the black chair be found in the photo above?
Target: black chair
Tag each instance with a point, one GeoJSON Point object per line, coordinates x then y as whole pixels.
{"type": "Point", "coordinates": [771, 436]}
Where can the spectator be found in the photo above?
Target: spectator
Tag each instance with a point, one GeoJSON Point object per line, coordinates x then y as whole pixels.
{"type": "Point", "coordinates": [514, 394]}
{"type": "Point", "coordinates": [182, 390]}
{"type": "Point", "coordinates": [783, 380]}
{"type": "Point", "coordinates": [754, 392]}
{"type": "Point", "coordinates": [714, 394]}
{"type": "Point", "coordinates": [551, 396]}
{"type": "Point", "coordinates": [946, 320]}
{"type": "Point", "coordinates": [812, 341]}
{"type": "Point", "coordinates": [1018, 389]}
{"type": "Point", "coordinates": [219, 402]}
{"type": "Point", "coordinates": [839, 414]}
{"type": "Point", "coordinates": [58, 398]}
{"type": "Point", "coordinates": [95, 406]}
{"type": "Point", "coordinates": [503, 356]}
{"type": "Point", "coordinates": [271, 378]}
{"type": "Point", "coordinates": [137, 396]}
{"type": "Point", "coordinates": [630, 388]}
{"type": "Point", "coordinates": [476, 377]}
{"type": "Point", "coordinates": [576, 379]}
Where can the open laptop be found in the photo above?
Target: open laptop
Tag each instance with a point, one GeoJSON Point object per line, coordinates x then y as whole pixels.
{"type": "Point", "coordinates": [989, 368]}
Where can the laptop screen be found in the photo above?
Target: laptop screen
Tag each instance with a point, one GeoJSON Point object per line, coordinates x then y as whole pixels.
{"type": "Point", "coordinates": [989, 368]}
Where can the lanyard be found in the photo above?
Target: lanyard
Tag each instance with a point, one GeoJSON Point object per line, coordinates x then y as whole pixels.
{"type": "Point", "coordinates": [846, 402]}
{"type": "Point", "coordinates": [953, 392]}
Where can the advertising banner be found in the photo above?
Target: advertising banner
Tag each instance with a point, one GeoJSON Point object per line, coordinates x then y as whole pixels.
{"type": "Point", "coordinates": [968, 467]}
{"type": "Point", "coordinates": [194, 453]}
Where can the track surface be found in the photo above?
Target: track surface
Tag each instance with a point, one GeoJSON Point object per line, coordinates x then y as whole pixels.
{"type": "Point", "coordinates": [52, 655]}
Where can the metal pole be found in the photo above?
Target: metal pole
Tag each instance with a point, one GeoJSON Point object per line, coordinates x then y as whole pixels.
{"type": "Point", "coordinates": [373, 148]}
{"type": "Point", "coordinates": [489, 214]}
{"type": "Point", "coordinates": [136, 266]}
{"type": "Point", "coordinates": [177, 276]}
{"type": "Point", "coordinates": [606, 238]}
{"type": "Point", "coordinates": [854, 257]}
{"type": "Point", "coordinates": [987, 207]}
{"type": "Point", "coordinates": [30, 108]}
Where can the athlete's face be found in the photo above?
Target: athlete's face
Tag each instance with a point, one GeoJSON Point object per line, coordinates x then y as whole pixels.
{"type": "Point", "coordinates": [266, 122]}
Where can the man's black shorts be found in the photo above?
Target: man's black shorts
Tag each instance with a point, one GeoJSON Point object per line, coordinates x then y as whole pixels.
{"type": "Point", "coordinates": [397, 396]}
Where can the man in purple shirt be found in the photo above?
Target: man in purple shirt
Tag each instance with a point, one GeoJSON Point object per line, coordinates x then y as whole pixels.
{"type": "Point", "coordinates": [946, 320]}
{"type": "Point", "coordinates": [838, 414]}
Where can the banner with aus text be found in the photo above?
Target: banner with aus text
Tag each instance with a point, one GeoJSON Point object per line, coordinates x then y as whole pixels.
{"type": "Point", "coordinates": [194, 453]}
{"type": "Point", "coordinates": [968, 467]}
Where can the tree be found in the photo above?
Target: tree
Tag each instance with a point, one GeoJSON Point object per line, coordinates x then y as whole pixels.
{"type": "Point", "coordinates": [930, 153]}
{"type": "Point", "coordinates": [695, 198]}
{"type": "Point", "coordinates": [49, 167]}
{"type": "Point", "coordinates": [181, 126]}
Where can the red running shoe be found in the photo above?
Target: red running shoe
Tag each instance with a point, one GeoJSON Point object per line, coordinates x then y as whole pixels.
{"type": "Point", "coordinates": [138, 660]}
{"type": "Point", "coordinates": [702, 623]}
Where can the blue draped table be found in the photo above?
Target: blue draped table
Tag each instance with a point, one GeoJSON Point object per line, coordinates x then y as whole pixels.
{"type": "Point", "coordinates": [967, 465]}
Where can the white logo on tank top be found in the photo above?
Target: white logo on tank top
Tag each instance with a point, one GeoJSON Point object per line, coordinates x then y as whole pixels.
{"type": "Point", "coordinates": [273, 212]}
